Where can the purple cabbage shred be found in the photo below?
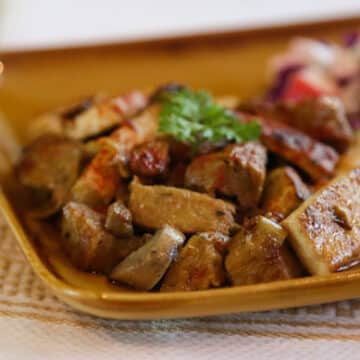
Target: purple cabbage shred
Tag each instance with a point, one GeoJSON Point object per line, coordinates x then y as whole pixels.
{"type": "Point", "coordinates": [281, 80]}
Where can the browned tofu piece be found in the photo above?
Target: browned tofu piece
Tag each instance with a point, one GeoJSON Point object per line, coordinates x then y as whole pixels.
{"type": "Point", "coordinates": [187, 211]}
{"type": "Point", "coordinates": [119, 219]}
{"type": "Point", "coordinates": [325, 229]}
{"type": "Point", "coordinates": [144, 268]}
{"type": "Point", "coordinates": [238, 171]}
{"type": "Point", "coordinates": [199, 265]}
{"type": "Point", "coordinates": [88, 244]}
{"type": "Point", "coordinates": [323, 118]}
{"type": "Point", "coordinates": [97, 185]}
{"type": "Point", "coordinates": [90, 117]}
{"type": "Point", "coordinates": [256, 254]}
{"type": "Point", "coordinates": [150, 159]}
{"type": "Point", "coordinates": [50, 166]}
{"type": "Point", "coordinates": [284, 191]}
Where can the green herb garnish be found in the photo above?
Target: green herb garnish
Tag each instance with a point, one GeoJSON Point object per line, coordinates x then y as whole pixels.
{"type": "Point", "coordinates": [194, 118]}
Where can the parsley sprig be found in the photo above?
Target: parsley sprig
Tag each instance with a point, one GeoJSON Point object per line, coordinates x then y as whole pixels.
{"type": "Point", "coordinates": [194, 118]}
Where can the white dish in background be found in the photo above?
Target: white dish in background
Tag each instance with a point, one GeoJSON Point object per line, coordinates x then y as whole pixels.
{"type": "Point", "coordinates": [42, 24]}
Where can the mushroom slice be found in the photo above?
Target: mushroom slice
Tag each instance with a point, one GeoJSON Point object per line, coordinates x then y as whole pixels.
{"type": "Point", "coordinates": [257, 254]}
{"type": "Point", "coordinates": [89, 245]}
{"type": "Point", "coordinates": [284, 191]}
{"type": "Point", "coordinates": [199, 265]}
{"type": "Point", "coordinates": [144, 268]}
{"type": "Point", "coordinates": [50, 166]}
{"type": "Point", "coordinates": [188, 211]}
{"type": "Point", "coordinates": [325, 229]}
{"type": "Point", "coordinates": [119, 219]}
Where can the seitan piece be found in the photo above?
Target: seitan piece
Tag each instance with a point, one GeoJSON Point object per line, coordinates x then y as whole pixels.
{"type": "Point", "coordinates": [97, 185]}
{"type": "Point", "coordinates": [90, 117]}
{"type": "Point", "coordinates": [144, 268]}
{"type": "Point", "coordinates": [351, 159]}
{"type": "Point", "coordinates": [284, 191]}
{"type": "Point", "coordinates": [325, 229]}
{"type": "Point", "coordinates": [257, 254]}
{"type": "Point", "coordinates": [187, 211]}
{"type": "Point", "coordinates": [239, 170]}
{"type": "Point", "coordinates": [199, 265]}
{"type": "Point", "coordinates": [315, 158]}
{"type": "Point", "coordinates": [150, 159]}
{"type": "Point", "coordinates": [50, 166]}
{"type": "Point", "coordinates": [88, 244]}
{"type": "Point", "coordinates": [99, 182]}
{"type": "Point", "coordinates": [323, 118]}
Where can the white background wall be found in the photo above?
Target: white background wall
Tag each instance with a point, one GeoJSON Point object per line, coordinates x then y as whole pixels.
{"type": "Point", "coordinates": [44, 23]}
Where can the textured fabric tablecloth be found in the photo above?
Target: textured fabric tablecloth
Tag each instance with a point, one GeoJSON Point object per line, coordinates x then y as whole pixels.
{"type": "Point", "coordinates": [35, 325]}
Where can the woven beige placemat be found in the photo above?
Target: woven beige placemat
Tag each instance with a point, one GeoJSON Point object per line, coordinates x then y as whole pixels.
{"type": "Point", "coordinates": [33, 323]}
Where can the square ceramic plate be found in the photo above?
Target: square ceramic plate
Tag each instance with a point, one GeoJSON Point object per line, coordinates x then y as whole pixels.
{"type": "Point", "coordinates": [227, 64]}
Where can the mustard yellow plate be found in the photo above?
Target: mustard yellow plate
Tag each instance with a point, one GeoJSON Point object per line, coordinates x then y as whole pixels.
{"type": "Point", "coordinates": [225, 64]}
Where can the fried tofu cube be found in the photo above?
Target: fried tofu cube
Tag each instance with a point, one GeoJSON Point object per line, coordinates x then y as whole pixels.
{"type": "Point", "coordinates": [324, 230]}
{"type": "Point", "coordinates": [257, 255]}
{"type": "Point", "coordinates": [284, 191]}
{"type": "Point", "coordinates": [187, 211]}
{"type": "Point", "coordinates": [199, 265]}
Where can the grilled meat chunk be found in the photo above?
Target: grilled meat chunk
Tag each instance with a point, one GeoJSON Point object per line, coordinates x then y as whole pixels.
{"type": "Point", "coordinates": [119, 220]}
{"type": "Point", "coordinates": [325, 229]}
{"type": "Point", "coordinates": [188, 211]}
{"type": "Point", "coordinates": [323, 118]}
{"type": "Point", "coordinates": [238, 171]}
{"type": "Point", "coordinates": [98, 183]}
{"type": "Point", "coordinates": [199, 265]}
{"type": "Point", "coordinates": [257, 254]}
{"type": "Point", "coordinates": [144, 268]}
{"type": "Point", "coordinates": [88, 244]}
{"type": "Point", "coordinates": [150, 159]}
{"type": "Point", "coordinates": [284, 191]}
{"type": "Point", "coordinates": [90, 117]}
{"type": "Point", "coordinates": [315, 158]}
{"type": "Point", "coordinates": [50, 166]}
